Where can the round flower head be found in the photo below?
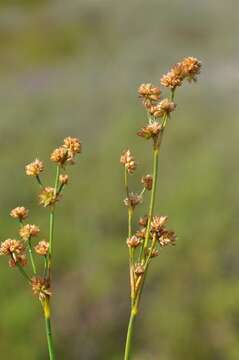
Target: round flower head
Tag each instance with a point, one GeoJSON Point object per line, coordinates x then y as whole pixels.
{"type": "Point", "coordinates": [133, 242]}
{"type": "Point", "coordinates": [139, 269]}
{"type": "Point", "coordinates": [191, 68]}
{"type": "Point", "coordinates": [59, 155]}
{"type": "Point", "coordinates": [133, 200]}
{"type": "Point", "coordinates": [19, 212]}
{"type": "Point", "coordinates": [73, 146]}
{"type": "Point", "coordinates": [167, 238]}
{"type": "Point", "coordinates": [128, 161]}
{"type": "Point", "coordinates": [158, 223]}
{"type": "Point", "coordinates": [34, 168]}
{"type": "Point", "coordinates": [29, 230]}
{"type": "Point", "coordinates": [11, 246]}
{"type": "Point", "coordinates": [151, 130]}
{"type": "Point", "coordinates": [40, 288]}
{"type": "Point", "coordinates": [42, 248]}
{"type": "Point", "coordinates": [148, 92]}
{"type": "Point", "coordinates": [174, 77]}
{"type": "Point", "coordinates": [164, 108]}
{"type": "Point", "coordinates": [47, 196]}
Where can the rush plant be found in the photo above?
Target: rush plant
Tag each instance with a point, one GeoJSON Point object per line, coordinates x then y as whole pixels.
{"type": "Point", "coordinates": [146, 243]}
{"type": "Point", "coordinates": [21, 250]}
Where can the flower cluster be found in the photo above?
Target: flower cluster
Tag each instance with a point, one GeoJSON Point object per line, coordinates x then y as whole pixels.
{"type": "Point", "coordinates": [15, 249]}
{"type": "Point", "coordinates": [66, 153]}
{"type": "Point", "coordinates": [40, 287]}
{"type": "Point", "coordinates": [128, 161]}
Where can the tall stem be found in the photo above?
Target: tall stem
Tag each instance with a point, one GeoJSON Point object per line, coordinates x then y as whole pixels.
{"type": "Point", "coordinates": [31, 256]}
{"type": "Point", "coordinates": [47, 317]}
{"type": "Point", "coordinates": [129, 334]}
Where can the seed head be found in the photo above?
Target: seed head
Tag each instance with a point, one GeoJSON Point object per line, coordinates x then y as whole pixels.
{"type": "Point", "coordinates": [40, 288]}
{"type": "Point", "coordinates": [73, 146]}
{"type": "Point", "coordinates": [143, 221]}
{"type": "Point", "coordinates": [42, 248]}
{"type": "Point", "coordinates": [19, 212]}
{"type": "Point", "coordinates": [29, 230]}
{"type": "Point", "coordinates": [141, 233]}
{"type": "Point", "coordinates": [158, 223]}
{"type": "Point", "coordinates": [47, 196]}
{"type": "Point", "coordinates": [191, 68]}
{"type": "Point", "coordinates": [148, 92]}
{"type": "Point", "coordinates": [133, 242]}
{"type": "Point", "coordinates": [139, 269]}
{"type": "Point", "coordinates": [133, 200]}
{"type": "Point", "coordinates": [34, 168]}
{"type": "Point", "coordinates": [147, 181]}
{"type": "Point", "coordinates": [11, 246]}
{"type": "Point", "coordinates": [164, 108]}
{"type": "Point", "coordinates": [59, 155]}
{"type": "Point", "coordinates": [64, 179]}
{"type": "Point", "coordinates": [167, 238]}
{"type": "Point", "coordinates": [128, 161]}
{"type": "Point", "coordinates": [151, 130]}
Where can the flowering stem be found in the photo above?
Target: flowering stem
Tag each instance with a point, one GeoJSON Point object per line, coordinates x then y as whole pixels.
{"type": "Point", "coordinates": [31, 257]}
{"type": "Point", "coordinates": [47, 317]}
{"type": "Point", "coordinates": [129, 334]}
{"type": "Point", "coordinates": [23, 272]}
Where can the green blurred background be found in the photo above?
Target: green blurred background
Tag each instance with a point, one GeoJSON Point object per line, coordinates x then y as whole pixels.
{"type": "Point", "coordinates": [73, 68]}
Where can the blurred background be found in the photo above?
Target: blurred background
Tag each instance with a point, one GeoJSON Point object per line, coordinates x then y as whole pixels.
{"type": "Point", "coordinates": [73, 68]}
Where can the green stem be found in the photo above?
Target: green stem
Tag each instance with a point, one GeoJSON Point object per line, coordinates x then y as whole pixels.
{"type": "Point", "coordinates": [23, 272]}
{"type": "Point", "coordinates": [130, 334]}
{"type": "Point", "coordinates": [31, 257]}
{"type": "Point", "coordinates": [46, 308]}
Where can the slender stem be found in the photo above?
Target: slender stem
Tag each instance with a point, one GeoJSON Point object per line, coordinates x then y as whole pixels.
{"type": "Point", "coordinates": [23, 272]}
{"type": "Point", "coordinates": [47, 317]}
{"type": "Point", "coordinates": [130, 334]}
{"type": "Point", "coordinates": [31, 257]}
{"type": "Point", "coordinates": [52, 220]}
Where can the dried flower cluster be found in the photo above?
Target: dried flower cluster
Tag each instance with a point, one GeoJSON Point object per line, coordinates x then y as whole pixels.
{"type": "Point", "coordinates": [22, 249]}
{"type": "Point", "coordinates": [148, 240]}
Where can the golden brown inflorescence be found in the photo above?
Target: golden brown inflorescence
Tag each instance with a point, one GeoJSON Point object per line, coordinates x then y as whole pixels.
{"type": "Point", "coordinates": [16, 250]}
{"type": "Point", "coordinates": [47, 196]}
{"type": "Point", "coordinates": [20, 213]}
{"type": "Point", "coordinates": [128, 161]}
{"type": "Point", "coordinates": [34, 168]}
{"type": "Point", "coordinates": [29, 230]}
{"type": "Point", "coordinates": [42, 248]}
{"type": "Point", "coordinates": [41, 287]}
{"type": "Point", "coordinates": [66, 153]}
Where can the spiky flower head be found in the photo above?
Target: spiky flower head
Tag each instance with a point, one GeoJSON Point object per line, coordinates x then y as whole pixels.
{"type": "Point", "coordinates": [158, 222]}
{"type": "Point", "coordinates": [139, 269]}
{"type": "Point", "coordinates": [29, 230]}
{"type": "Point", "coordinates": [73, 146]}
{"type": "Point", "coordinates": [47, 196]}
{"type": "Point", "coordinates": [191, 68]}
{"type": "Point", "coordinates": [149, 92]}
{"type": "Point", "coordinates": [42, 248]}
{"type": "Point", "coordinates": [40, 288]}
{"type": "Point", "coordinates": [59, 155]}
{"type": "Point", "coordinates": [19, 212]}
{"type": "Point", "coordinates": [133, 200]}
{"type": "Point", "coordinates": [167, 238]}
{"type": "Point", "coordinates": [128, 161]}
{"type": "Point", "coordinates": [143, 220]}
{"type": "Point", "coordinates": [164, 108]}
{"type": "Point", "coordinates": [133, 242]}
{"type": "Point", "coordinates": [34, 168]}
{"type": "Point", "coordinates": [11, 246]}
{"type": "Point", "coordinates": [151, 130]}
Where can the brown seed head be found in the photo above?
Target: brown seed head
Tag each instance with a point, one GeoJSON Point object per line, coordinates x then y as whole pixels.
{"type": "Point", "coordinates": [151, 130]}
{"type": "Point", "coordinates": [11, 246]}
{"type": "Point", "coordinates": [158, 223]}
{"type": "Point", "coordinates": [42, 248]}
{"type": "Point", "coordinates": [143, 221]}
{"type": "Point", "coordinates": [141, 233]}
{"type": "Point", "coordinates": [40, 288]}
{"type": "Point", "coordinates": [148, 92]}
{"type": "Point", "coordinates": [29, 230]}
{"type": "Point", "coordinates": [128, 161]}
{"type": "Point", "coordinates": [34, 168]}
{"type": "Point", "coordinates": [164, 108]}
{"type": "Point", "coordinates": [64, 179]}
{"type": "Point", "coordinates": [173, 78]}
{"type": "Point", "coordinates": [147, 181]}
{"type": "Point", "coordinates": [133, 200]}
{"type": "Point", "coordinates": [59, 155]}
{"type": "Point", "coordinates": [167, 238]}
{"type": "Point", "coordinates": [191, 68]}
{"type": "Point", "coordinates": [19, 212]}
{"type": "Point", "coordinates": [47, 196]}
{"type": "Point", "coordinates": [133, 242]}
{"type": "Point", "coordinates": [139, 269]}
{"type": "Point", "coordinates": [73, 146]}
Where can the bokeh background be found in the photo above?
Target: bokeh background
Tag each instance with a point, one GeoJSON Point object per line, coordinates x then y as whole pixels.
{"type": "Point", "coordinates": [73, 68]}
